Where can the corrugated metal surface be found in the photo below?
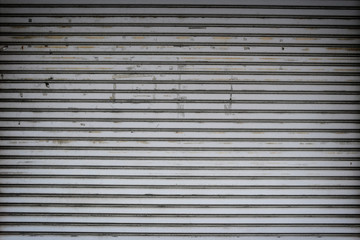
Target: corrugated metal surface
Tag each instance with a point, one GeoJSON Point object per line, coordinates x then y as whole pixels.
{"type": "Point", "coordinates": [207, 119]}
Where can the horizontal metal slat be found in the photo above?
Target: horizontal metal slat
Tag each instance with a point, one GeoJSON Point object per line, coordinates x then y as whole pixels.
{"type": "Point", "coordinates": [192, 5]}
{"type": "Point", "coordinates": [178, 218]}
{"type": "Point", "coordinates": [221, 145]}
{"type": "Point", "coordinates": [346, 72]}
{"type": "Point", "coordinates": [164, 60]}
{"type": "Point", "coordinates": [314, 106]}
{"type": "Point", "coordinates": [177, 63]}
{"type": "Point", "coordinates": [180, 228]}
{"type": "Point", "coordinates": [179, 163]}
{"type": "Point", "coordinates": [199, 19]}
{"type": "Point", "coordinates": [186, 153]}
{"type": "Point", "coordinates": [349, 171]}
{"type": "Point", "coordinates": [154, 210]}
{"type": "Point", "coordinates": [184, 10]}
{"type": "Point", "coordinates": [189, 25]}
{"type": "Point", "coordinates": [185, 15]}
{"type": "Point", "coordinates": [51, 47]}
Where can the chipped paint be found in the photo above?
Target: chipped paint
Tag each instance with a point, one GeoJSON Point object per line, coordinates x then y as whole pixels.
{"type": "Point", "coordinates": [113, 95]}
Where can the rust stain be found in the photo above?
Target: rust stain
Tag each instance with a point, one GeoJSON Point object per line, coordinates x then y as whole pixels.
{"type": "Point", "coordinates": [51, 47]}
{"type": "Point", "coordinates": [65, 58]}
{"type": "Point", "coordinates": [353, 49]}
{"type": "Point", "coordinates": [337, 59]}
{"type": "Point", "coordinates": [23, 37]}
{"type": "Point", "coordinates": [222, 38]}
{"type": "Point", "coordinates": [270, 79]}
{"type": "Point", "coordinates": [305, 49]}
{"type": "Point", "coordinates": [347, 49]}
{"type": "Point", "coordinates": [138, 37]}
{"type": "Point", "coordinates": [343, 70]}
{"type": "Point", "coordinates": [215, 58]}
{"type": "Point", "coordinates": [211, 69]}
{"type": "Point", "coordinates": [335, 48]}
{"type": "Point", "coordinates": [267, 69]}
{"type": "Point", "coordinates": [95, 37]}
{"type": "Point", "coordinates": [68, 68]}
{"type": "Point", "coordinates": [60, 142]}
{"type": "Point", "coordinates": [142, 96]}
{"type": "Point", "coordinates": [305, 39]}
{"type": "Point", "coordinates": [274, 152]}
{"type": "Point", "coordinates": [182, 37]}
{"type": "Point", "coordinates": [269, 58]}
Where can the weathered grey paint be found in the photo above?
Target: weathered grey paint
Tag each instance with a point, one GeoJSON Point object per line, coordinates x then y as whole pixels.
{"type": "Point", "coordinates": [168, 119]}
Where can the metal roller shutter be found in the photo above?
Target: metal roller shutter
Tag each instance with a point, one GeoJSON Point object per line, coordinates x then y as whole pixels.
{"type": "Point", "coordinates": [158, 120]}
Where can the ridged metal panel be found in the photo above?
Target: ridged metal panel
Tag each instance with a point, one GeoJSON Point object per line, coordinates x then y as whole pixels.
{"type": "Point", "coordinates": [179, 119]}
